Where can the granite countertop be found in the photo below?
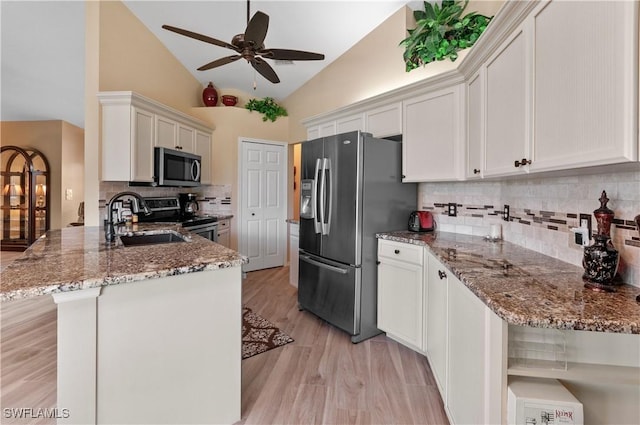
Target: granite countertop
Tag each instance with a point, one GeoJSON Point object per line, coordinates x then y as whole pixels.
{"type": "Point", "coordinates": [527, 288]}
{"type": "Point", "coordinates": [75, 258]}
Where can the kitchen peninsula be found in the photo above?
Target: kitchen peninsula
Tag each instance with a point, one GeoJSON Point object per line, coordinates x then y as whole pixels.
{"type": "Point", "coordinates": [146, 334]}
{"type": "Point", "coordinates": [487, 312]}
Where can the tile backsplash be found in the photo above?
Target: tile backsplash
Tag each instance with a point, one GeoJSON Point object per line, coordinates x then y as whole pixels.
{"type": "Point", "coordinates": [542, 212]}
{"type": "Point", "coordinates": [211, 199]}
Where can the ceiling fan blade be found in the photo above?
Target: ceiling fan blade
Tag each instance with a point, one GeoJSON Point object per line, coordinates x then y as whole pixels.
{"type": "Point", "coordinates": [200, 37]}
{"type": "Point", "coordinates": [219, 62]}
{"type": "Point", "coordinates": [291, 55]}
{"type": "Point", "coordinates": [265, 70]}
{"type": "Point", "coordinates": [257, 29]}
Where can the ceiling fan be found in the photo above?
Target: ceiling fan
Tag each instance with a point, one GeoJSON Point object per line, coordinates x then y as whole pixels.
{"type": "Point", "coordinates": [250, 46]}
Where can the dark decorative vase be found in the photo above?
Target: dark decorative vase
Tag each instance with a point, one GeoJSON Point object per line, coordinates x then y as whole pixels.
{"type": "Point", "coordinates": [600, 260]}
{"type": "Point", "coordinates": [210, 95]}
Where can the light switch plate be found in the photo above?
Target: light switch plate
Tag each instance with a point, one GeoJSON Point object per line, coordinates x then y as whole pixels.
{"type": "Point", "coordinates": [505, 213]}
{"type": "Point", "coordinates": [453, 209]}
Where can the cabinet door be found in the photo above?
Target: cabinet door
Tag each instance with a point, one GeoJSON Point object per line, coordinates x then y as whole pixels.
{"type": "Point", "coordinates": [384, 121]}
{"type": "Point", "coordinates": [186, 138]}
{"type": "Point", "coordinates": [400, 298]}
{"type": "Point", "coordinates": [224, 233]}
{"type": "Point", "coordinates": [466, 369]}
{"type": "Point", "coordinates": [475, 125]}
{"type": "Point", "coordinates": [436, 320]}
{"type": "Point", "coordinates": [313, 132]}
{"type": "Point", "coordinates": [328, 129]}
{"type": "Point", "coordinates": [166, 132]}
{"type": "Point", "coordinates": [584, 84]}
{"type": "Point", "coordinates": [203, 148]}
{"type": "Point", "coordinates": [350, 123]}
{"type": "Point", "coordinates": [507, 135]}
{"type": "Point", "coordinates": [142, 141]}
{"type": "Point", "coordinates": [432, 136]}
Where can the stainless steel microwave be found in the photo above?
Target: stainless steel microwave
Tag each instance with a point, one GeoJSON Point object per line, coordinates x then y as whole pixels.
{"type": "Point", "coordinates": [176, 168]}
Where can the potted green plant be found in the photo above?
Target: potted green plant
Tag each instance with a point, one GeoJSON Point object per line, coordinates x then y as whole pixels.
{"type": "Point", "coordinates": [268, 107]}
{"type": "Point", "coordinates": [440, 32]}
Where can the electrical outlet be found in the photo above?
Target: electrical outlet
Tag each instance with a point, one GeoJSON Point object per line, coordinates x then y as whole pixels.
{"type": "Point", "coordinates": [585, 222]}
{"type": "Point", "coordinates": [581, 236]}
{"type": "Point", "coordinates": [505, 213]}
{"type": "Point", "coordinates": [68, 194]}
{"type": "Point", "coordinates": [453, 209]}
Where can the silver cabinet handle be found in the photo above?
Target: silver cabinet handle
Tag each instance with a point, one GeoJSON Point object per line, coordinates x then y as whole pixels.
{"type": "Point", "coordinates": [322, 265]}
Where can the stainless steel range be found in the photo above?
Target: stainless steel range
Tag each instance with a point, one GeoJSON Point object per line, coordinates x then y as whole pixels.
{"type": "Point", "coordinates": [167, 210]}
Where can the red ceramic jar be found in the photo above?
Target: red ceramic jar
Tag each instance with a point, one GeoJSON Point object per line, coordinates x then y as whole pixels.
{"type": "Point", "coordinates": [210, 95]}
{"type": "Point", "coordinates": [229, 100]}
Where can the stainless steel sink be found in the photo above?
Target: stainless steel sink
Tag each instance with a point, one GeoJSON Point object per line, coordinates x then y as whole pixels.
{"type": "Point", "coordinates": [151, 238]}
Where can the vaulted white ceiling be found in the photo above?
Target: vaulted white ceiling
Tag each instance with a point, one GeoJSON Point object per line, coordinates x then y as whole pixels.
{"type": "Point", "coordinates": [42, 71]}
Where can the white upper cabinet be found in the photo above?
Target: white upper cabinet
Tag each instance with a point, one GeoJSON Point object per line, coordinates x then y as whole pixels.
{"type": "Point", "coordinates": [142, 149]}
{"type": "Point", "coordinates": [166, 132]}
{"type": "Point", "coordinates": [203, 148]}
{"type": "Point", "coordinates": [432, 137]}
{"type": "Point", "coordinates": [506, 113]}
{"type": "Point", "coordinates": [384, 121]}
{"type": "Point", "coordinates": [313, 132]}
{"type": "Point", "coordinates": [328, 129]}
{"type": "Point", "coordinates": [475, 126]}
{"type": "Point", "coordinates": [132, 125]}
{"type": "Point", "coordinates": [585, 84]}
{"type": "Point", "coordinates": [186, 138]}
{"type": "Point", "coordinates": [350, 123]}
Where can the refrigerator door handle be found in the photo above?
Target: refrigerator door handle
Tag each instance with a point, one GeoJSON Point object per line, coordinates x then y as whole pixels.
{"type": "Point", "coordinates": [310, 260]}
{"type": "Point", "coordinates": [321, 194]}
{"type": "Point", "coordinates": [327, 167]}
{"type": "Point", "coordinates": [314, 199]}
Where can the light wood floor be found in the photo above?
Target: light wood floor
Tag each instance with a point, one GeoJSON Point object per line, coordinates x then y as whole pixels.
{"type": "Point", "coordinates": [320, 378]}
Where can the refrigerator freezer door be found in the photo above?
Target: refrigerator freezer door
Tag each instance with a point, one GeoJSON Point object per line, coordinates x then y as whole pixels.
{"type": "Point", "coordinates": [341, 238]}
{"type": "Point", "coordinates": [331, 291]}
{"type": "Point", "coordinates": [310, 167]}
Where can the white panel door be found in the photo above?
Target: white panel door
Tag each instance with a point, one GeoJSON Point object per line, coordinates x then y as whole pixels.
{"type": "Point", "coordinates": [263, 209]}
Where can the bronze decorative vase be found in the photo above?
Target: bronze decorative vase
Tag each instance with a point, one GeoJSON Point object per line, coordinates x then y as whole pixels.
{"type": "Point", "coordinates": [600, 260]}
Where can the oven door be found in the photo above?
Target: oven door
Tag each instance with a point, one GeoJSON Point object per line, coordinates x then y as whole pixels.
{"type": "Point", "coordinates": [208, 231]}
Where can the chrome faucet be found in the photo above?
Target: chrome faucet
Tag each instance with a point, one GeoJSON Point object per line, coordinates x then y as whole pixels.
{"type": "Point", "coordinates": [109, 229]}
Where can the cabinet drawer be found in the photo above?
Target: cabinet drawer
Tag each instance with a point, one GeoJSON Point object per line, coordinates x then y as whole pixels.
{"type": "Point", "coordinates": [223, 224]}
{"type": "Point", "coordinates": [400, 251]}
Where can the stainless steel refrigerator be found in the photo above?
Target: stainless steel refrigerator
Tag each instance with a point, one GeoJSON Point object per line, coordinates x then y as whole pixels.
{"type": "Point", "coordinates": [351, 189]}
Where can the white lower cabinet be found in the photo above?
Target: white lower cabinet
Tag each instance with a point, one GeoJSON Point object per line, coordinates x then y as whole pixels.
{"type": "Point", "coordinates": [424, 306]}
{"type": "Point", "coordinates": [436, 326]}
{"type": "Point", "coordinates": [400, 291]}
{"type": "Point", "coordinates": [224, 233]}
